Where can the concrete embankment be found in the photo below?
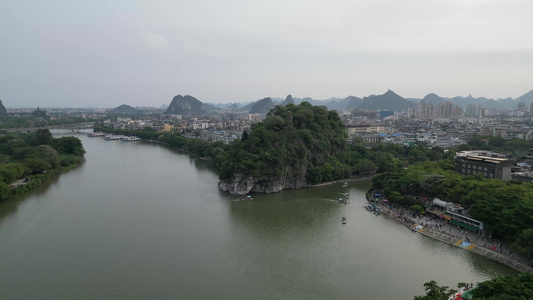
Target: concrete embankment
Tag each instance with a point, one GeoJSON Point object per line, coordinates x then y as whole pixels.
{"type": "Point", "coordinates": [453, 241]}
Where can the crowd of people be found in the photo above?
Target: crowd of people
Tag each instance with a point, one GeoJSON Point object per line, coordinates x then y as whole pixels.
{"type": "Point", "coordinates": [410, 218]}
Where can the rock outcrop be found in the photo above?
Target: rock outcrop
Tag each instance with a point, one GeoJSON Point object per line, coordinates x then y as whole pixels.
{"type": "Point", "coordinates": [241, 185]}
{"type": "Point", "coordinates": [186, 105]}
{"type": "Point", "coordinates": [3, 110]}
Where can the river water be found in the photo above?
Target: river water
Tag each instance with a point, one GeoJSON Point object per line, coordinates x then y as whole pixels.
{"type": "Point", "coordinates": [142, 221]}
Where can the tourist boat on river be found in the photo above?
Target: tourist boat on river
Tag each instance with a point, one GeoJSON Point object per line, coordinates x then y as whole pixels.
{"type": "Point", "coordinates": [343, 220]}
{"type": "Point", "coordinates": [345, 184]}
{"type": "Point", "coordinates": [131, 139]}
{"type": "Point", "coordinates": [96, 134]}
{"type": "Point", "coordinates": [111, 137]}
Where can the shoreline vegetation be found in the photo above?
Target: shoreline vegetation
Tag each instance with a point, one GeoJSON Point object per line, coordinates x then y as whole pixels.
{"type": "Point", "coordinates": [30, 159]}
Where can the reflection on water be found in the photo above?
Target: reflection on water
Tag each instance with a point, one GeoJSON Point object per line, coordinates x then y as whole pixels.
{"type": "Point", "coordinates": [141, 221]}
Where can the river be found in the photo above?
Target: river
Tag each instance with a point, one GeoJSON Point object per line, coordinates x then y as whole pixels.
{"type": "Point", "coordinates": [142, 221]}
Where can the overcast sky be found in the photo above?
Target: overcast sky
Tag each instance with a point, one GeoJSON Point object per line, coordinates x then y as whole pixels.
{"type": "Point", "coordinates": [143, 53]}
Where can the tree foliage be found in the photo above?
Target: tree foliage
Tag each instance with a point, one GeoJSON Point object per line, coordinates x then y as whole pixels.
{"type": "Point", "coordinates": [33, 157]}
{"type": "Point", "coordinates": [304, 137]}
{"type": "Point", "coordinates": [435, 292]}
{"type": "Point", "coordinates": [506, 287]}
{"type": "Point", "coordinates": [509, 288]}
{"type": "Point", "coordinates": [312, 140]}
{"type": "Point", "coordinates": [506, 208]}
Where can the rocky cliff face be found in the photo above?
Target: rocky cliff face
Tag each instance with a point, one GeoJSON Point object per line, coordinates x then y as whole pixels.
{"type": "Point", "coordinates": [241, 185]}
{"type": "Point", "coordinates": [3, 110]}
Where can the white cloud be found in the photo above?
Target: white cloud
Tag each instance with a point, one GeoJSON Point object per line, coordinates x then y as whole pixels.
{"type": "Point", "coordinates": [153, 40]}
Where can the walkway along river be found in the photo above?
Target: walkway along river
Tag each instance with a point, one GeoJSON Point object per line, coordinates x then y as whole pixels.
{"type": "Point", "coordinates": [444, 235]}
{"type": "Point", "coordinates": [141, 221]}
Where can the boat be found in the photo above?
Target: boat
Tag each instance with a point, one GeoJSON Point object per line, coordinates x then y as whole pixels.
{"type": "Point", "coordinates": [346, 196]}
{"type": "Point", "coordinates": [131, 139]}
{"type": "Point", "coordinates": [343, 220]}
{"type": "Point", "coordinates": [96, 134]}
{"type": "Point", "coordinates": [111, 137]}
{"type": "Point", "coordinates": [345, 184]}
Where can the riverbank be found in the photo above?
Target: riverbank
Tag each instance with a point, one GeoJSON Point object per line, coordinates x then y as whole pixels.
{"type": "Point", "coordinates": [442, 235]}
{"type": "Point", "coordinates": [31, 182]}
{"type": "Point", "coordinates": [351, 179]}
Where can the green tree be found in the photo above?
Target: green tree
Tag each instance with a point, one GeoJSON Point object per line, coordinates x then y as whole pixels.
{"type": "Point", "coordinates": [435, 292]}
{"type": "Point", "coordinates": [508, 288]}
{"type": "Point", "coordinates": [68, 145]}
{"type": "Point", "coordinates": [46, 151]}
{"type": "Point", "coordinates": [429, 182]}
{"type": "Point", "coordinates": [524, 242]}
{"type": "Point", "coordinates": [4, 191]}
{"type": "Point", "coordinates": [38, 165]}
{"type": "Point", "coordinates": [43, 137]}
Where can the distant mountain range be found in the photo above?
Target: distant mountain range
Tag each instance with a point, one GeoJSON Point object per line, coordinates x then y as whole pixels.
{"type": "Point", "coordinates": [392, 101]}
{"type": "Point", "coordinates": [387, 101]}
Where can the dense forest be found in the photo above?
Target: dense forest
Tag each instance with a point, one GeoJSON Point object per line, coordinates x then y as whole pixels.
{"type": "Point", "coordinates": [506, 208]}
{"type": "Point", "coordinates": [28, 159]}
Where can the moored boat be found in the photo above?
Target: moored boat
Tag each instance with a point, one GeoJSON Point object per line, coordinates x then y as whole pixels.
{"type": "Point", "coordinates": [131, 139]}
{"type": "Point", "coordinates": [96, 134]}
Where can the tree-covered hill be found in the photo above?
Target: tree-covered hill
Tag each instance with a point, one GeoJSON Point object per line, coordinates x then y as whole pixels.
{"type": "Point", "coordinates": [283, 150]}
{"type": "Point", "coordinates": [301, 145]}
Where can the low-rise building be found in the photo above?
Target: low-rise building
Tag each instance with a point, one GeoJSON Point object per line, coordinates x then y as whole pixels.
{"type": "Point", "coordinates": [488, 167]}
